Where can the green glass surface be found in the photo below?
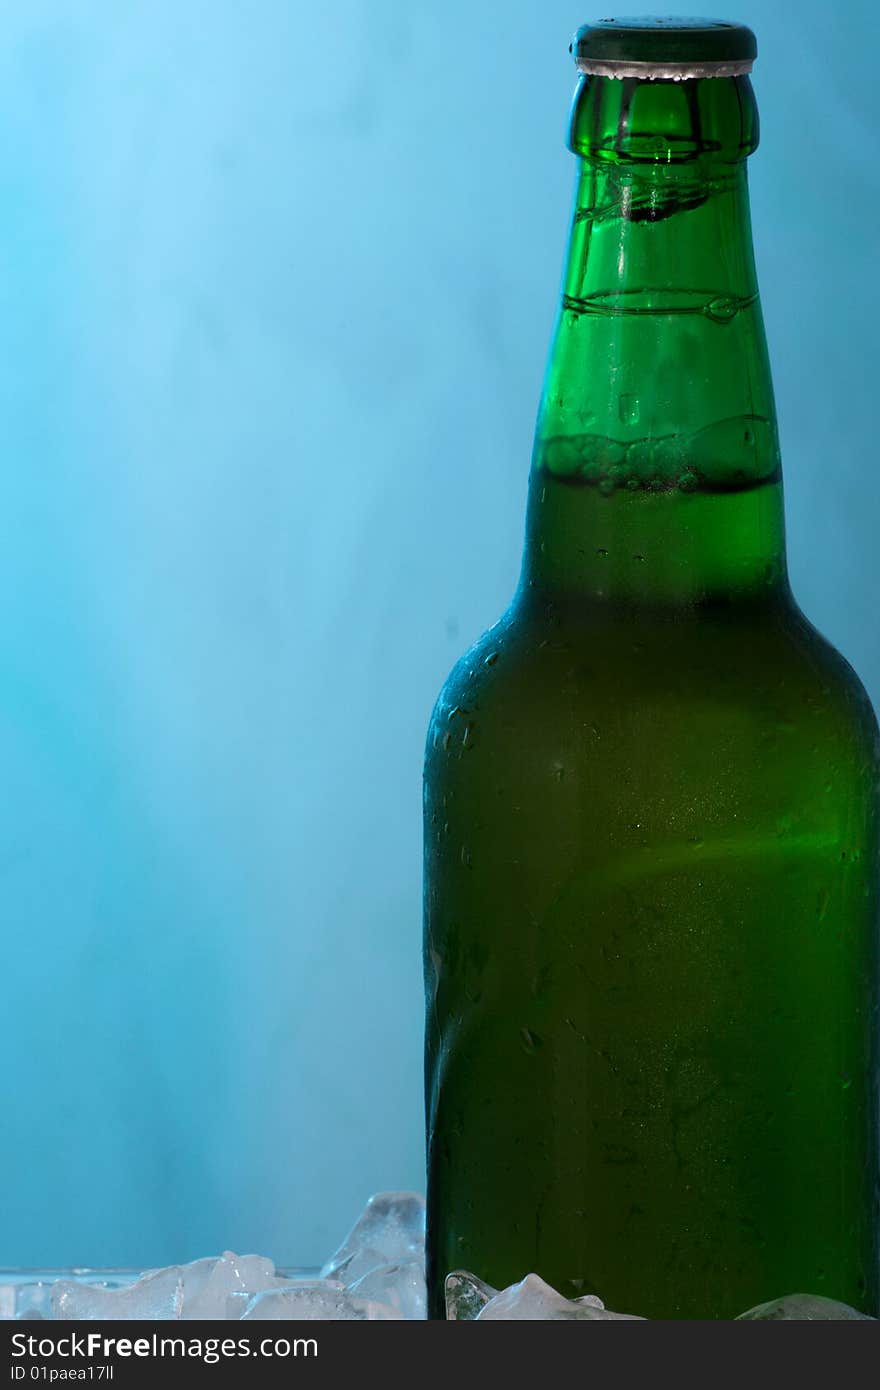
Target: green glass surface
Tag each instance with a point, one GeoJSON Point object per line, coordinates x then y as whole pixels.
{"type": "Point", "coordinates": [651, 837]}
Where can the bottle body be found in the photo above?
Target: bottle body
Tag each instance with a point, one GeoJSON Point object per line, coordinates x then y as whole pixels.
{"type": "Point", "coordinates": [651, 800]}
{"type": "Point", "coordinates": [651, 952]}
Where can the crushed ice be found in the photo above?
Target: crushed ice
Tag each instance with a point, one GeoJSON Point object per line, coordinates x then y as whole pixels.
{"type": "Point", "coordinates": [376, 1275]}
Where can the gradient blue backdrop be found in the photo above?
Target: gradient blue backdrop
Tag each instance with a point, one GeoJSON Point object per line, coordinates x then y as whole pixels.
{"type": "Point", "coordinates": [276, 287]}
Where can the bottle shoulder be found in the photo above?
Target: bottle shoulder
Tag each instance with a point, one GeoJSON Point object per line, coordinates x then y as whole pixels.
{"type": "Point", "coordinates": [818, 662]}
{"type": "Point", "coordinates": [761, 665]}
{"type": "Point", "coordinates": [473, 668]}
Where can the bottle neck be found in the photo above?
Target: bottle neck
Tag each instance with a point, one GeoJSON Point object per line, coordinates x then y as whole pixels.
{"type": "Point", "coordinates": [655, 473]}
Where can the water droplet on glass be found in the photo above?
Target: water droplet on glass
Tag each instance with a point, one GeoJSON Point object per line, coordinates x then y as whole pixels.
{"type": "Point", "coordinates": [531, 1041]}
{"type": "Point", "coordinates": [628, 409]}
{"type": "Point", "coordinates": [722, 309]}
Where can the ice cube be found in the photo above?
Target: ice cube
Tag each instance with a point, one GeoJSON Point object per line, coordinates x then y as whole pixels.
{"type": "Point", "coordinates": [312, 1300]}
{"type": "Point", "coordinates": [154, 1296]}
{"type": "Point", "coordinates": [315, 1300]}
{"type": "Point", "coordinates": [805, 1307]}
{"type": "Point", "coordinates": [34, 1294]}
{"type": "Point", "coordinates": [398, 1286]}
{"type": "Point", "coordinates": [466, 1296]}
{"type": "Point", "coordinates": [195, 1277]}
{"type": "Point", "coordinates": [589, 1300]}
{"type": "Point", "coordinates": [532, 1300]}
{"type": "Point", "coordinates": [209, 1284]}
{"type": "Point", "coordinates": [33, 1300]}
{"type": "Point", "coordinates": [390, 1230]}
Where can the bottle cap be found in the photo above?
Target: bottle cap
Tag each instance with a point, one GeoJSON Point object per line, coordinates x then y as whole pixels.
{"type": "Point", "coordinates": [669, 48]}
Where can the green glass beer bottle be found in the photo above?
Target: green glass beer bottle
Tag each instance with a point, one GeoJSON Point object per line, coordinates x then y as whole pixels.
{"type": "Point", "coordinates": [651, 833]}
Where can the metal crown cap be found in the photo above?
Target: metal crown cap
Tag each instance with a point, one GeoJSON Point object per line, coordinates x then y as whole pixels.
{"type": "Point", "coordinates": [667, 47]}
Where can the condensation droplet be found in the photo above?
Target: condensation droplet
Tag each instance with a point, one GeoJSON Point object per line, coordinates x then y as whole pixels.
{"type": "Point", "coordinates": [531, 1041]}
{"type": "Point", "coordinates": [628, 409]}
{"type": "Point", "coordinates": [722, 309]}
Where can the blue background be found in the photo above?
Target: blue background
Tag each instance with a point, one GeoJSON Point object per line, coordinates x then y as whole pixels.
{"type": "Point", "coordinates": [276, 286]}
